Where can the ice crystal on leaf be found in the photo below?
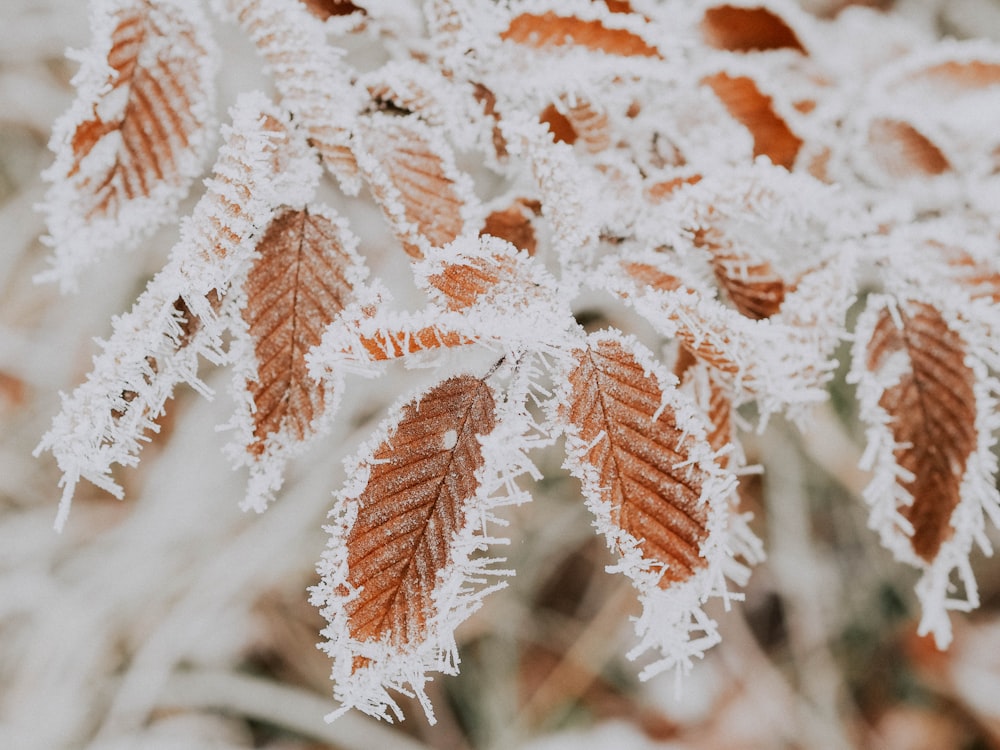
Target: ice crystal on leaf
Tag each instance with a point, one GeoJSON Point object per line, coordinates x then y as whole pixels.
{"type": "Point", "coordinates": [721, 176]}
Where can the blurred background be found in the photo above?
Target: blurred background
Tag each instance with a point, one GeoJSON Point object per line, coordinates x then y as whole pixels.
{"type": "Point", "coordinates": [173, 620]}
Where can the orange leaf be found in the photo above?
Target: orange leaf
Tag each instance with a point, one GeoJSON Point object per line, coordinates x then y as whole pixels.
{"type": "Point", "coordinates": [753, 286]}
{"type": "Point", "coordinates": [414, 182]}
{"type": "Point", "coordinates": [578, 118]}
{"type": "Point", "coordinates": [552, 30]}
{"type": "Point", "coordinates": [740, 29]}
{"type": "Point", "coordinates": [932, 411]}
{"type": "Point", "coordinates": [638, 450]}
{"type": "Point", "coordinates": [294, 290]}
{"type": "Point", "coordinates": [514, 224]}
{"type": "Point", "coordinates": [755, 111]}
{"type": "Point", "coordinates": [421, 477]}
{"type": "Point", "coordinates": [394, 344]}
{"type": "Point", "coordinates": [152, 138]}
{"type": "Point", "coordinates": [324, 9]}
{"type": "Point", "coordinates": [903, 151]}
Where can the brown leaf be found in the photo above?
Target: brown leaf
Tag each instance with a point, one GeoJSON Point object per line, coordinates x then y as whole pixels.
{"type": "Point", "coordinates": [386, 345]}
{"type": "Point", "coordinates": [977, 277]}
{"type": "Point", "coordinates": [933, 413]}
{"type": "Point", "coordinates": [742, 29]}
{"type": "Point", "coordinates": [754, 110]}
{"type": "Point", "coordinates": [152, 135]}
{"type": "Point", "coordinates": [661, 191]}
{"type": "Point", "coordinates": [416, 174]}
{"type": "Point", "coordinates": [559, 125]}
{"type": "Point", "coordinates": [588, 122]}
{"type": "Point", "coordinates": [413, 504]}
{"type": "Point", "coordinates": [953, 78]}
{"type": "Point", "coordinates": [324, 9]}
{"type": "Point", "coordinates": [652, 276]}
{"type": "Point", "coordinates": [464, 279]}
{"type": "Point", "coordinates": [903, 151]}
{"type": "Point", "coordinates": [636, 447]}
{"type": "Point", "coordinates": [514, 224]}
{"type": "Point", "coordinates": [753, 286]}
{"type": "Point", "coordinates": [713, 397]}
{"type": "Point", "coordinates": [488, 100]}
{"type": "Point", "coordinates": [552, 30]}
{"type": "Point", "coordinates": [294, 290]}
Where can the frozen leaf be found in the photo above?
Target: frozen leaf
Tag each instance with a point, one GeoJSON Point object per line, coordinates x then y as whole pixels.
{"type": "Point", "coordinates": [753, 286]}
{"type": "Point", "coordinates": [903, 152]}
{"type": "Point", "coordinates": [411, 508]}
{"type": "Point", "coordinates": [412, 175]}
{"type": "Point", "coordinates": [747, 29]}
{"type": "Point", "coordinates": [136, 135]}
{"type": "Point", "coordinates": [755, 111]}
{"type": "Point", "coordinates": [298, 284]}
{"type": "Point", "coordinates": [546, 30]}
{"type": "Point", "coordinates": [514, 224]}
{"type": "Point", "coordinates": [925, 397]}
{"type": "Point", "coordinates": [324, 9]}
{"type": "Point", "coordinates": [931, 412]}
{"type": "Point", "coordinates": [649, 476]}
{"type": "Point", "coordinates": [578, 118]}
{"type": "Point", "coordinates": [616, 407]}
{"type": "Point", "coordinates": [314, 82]}
{"type": "Point", "coordinates": [401, 570]}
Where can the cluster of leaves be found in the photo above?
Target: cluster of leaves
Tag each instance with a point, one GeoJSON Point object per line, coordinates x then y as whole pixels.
{"type": "Point", "coordinates": [724, 171]}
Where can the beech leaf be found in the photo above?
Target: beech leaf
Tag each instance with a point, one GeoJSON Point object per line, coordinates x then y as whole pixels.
{"type": "Point", "coordinates": [137, 134]}
{"type": "Point", "coordinates": [649, 475]}
{"type": "Point", "coordinates": [542, 30]}
{"type": "Point", "coordinates": [755, 111]}
{"type": "Point", "coordinates": [299, 283]}
{"type": "Point", "coordinates": [400, 572]}
{"type": "Point", "coordinates": [414, 179]}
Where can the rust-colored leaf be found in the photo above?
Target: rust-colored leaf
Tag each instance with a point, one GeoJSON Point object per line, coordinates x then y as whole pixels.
{"type": "Point", "coordinates": [421, 478]}
{"type": "Point", "coordinates": [416, 176]}
{"type": "Point", "coordinates": [552, 30]}
{"type": "Point", "coordinates": [324, 9]}
{"type": "Point", "coordinates": [150, 136]}
{"type": "Point", "coordinates": [294, 290]}
{"type": "Point", "coordinates": [954, 78]}
{"type": "Point", "coordinates": [559, 125]}
{"type": "Point", "coordinates": [589, 123]}
{"type": "Point", "coordinates": [743, 29]}
{"type": "Point", "coordinates": [488, 100]}
{"type": "Point", "coordinates": [753, 286]}
{"type": "Point", "coordinates": [514, 224]}
{"type": "Point", "coordinates": [463, 280]}
{"type": "Point", "coordinates": [637, 450]}
{"type": "Point", "coordinates": [713, 397]}
{"type": "Point", "coordinates": [977, 277]}
{"type": "Point", "coordinates": [933, 416]}
{"type": "Point", "coordinates": [652, 276]}
{"type": "Point", "coordinates": [903, 151]}
{"type": "Point", "coordinates": [659, 192]}
{"type": "Point", "coordinates": [755, 111]}
{"type": "Point", "coordinates": [386, 345]}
